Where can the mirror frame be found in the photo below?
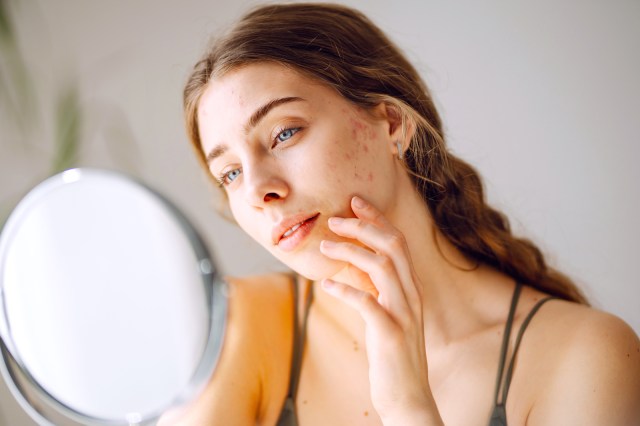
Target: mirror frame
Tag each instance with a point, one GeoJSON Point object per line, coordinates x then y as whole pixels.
{"type": "Point", "coordinates": [31, 396]}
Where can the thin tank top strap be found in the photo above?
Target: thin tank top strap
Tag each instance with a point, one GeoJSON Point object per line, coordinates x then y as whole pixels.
{"type": "Point", "coordinates": [300, 340]}
{"type": "Point", "coordinates": [523, 327]}
{"type": "Point", "coordinates": [296, 335]}
{"type": "Point", "coordinates": [288, 415]}
{"type": "Point", "coordinates": [505, 339]}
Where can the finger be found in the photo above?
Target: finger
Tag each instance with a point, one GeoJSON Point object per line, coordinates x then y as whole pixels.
{"type": "Point", "coordinates": [388, 242]}
{"type": "Point", "coordinates": [362, 280]}
{"type": "Point", "coordinates": [370, 310]}
{"type": "Point", "coordinates": [380, 269]}
{"type": "Point", "coordinates": [394, 245]}
{"type": "Point", "coordinates": [365, 210]}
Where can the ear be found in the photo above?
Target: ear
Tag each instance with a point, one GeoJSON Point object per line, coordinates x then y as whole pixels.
{"type": "Point", "coordinates": [400, 127]}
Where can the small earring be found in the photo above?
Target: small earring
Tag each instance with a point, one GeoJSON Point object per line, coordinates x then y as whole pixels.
{"type": "Point", "coordinates": [400, 153]}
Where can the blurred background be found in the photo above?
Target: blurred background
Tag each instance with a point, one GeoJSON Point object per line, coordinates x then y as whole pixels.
{"type": "Point", "coordinates": [542, 97]}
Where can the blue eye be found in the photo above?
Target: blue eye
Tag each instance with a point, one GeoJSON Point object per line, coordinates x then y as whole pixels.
{"type": "Point", "coordinates": [228, 177]}
{"type": "Point", "coordinates": [286, 134]}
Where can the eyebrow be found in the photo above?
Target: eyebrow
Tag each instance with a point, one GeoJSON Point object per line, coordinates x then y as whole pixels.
{"type": "Point", "coordinates": [253, 121]}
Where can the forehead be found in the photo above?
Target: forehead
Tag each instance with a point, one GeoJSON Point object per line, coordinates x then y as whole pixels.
{"type": "Point", "coordinates": [237, 93]}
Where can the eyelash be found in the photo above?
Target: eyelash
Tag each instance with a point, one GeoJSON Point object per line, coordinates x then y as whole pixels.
{"type": "Point", "coordinates": [293, 131]}
{"type": "Point", "coordinates": [223, 178]}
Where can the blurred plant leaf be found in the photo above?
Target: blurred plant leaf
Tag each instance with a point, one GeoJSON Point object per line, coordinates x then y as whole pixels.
{"type": "Point", "coordinates": [5, 26]}
{"type": "Point", "coordinates": [15, 81]}
{"type": "Point", "coordinates": [20, 111]}
{"type": "Point", "coordinates": [68, 129]}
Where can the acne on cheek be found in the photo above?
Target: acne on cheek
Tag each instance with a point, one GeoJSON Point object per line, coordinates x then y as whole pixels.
{"type": "Point", "coordinates": [358, 128]}
{"type": "Point", "coordinates": [357, 176]}
{"type": "Point", "coordinates": [362, 133]}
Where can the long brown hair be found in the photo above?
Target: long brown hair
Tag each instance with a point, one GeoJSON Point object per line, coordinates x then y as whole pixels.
{"type": "Point", "coordinates": [342, 48]}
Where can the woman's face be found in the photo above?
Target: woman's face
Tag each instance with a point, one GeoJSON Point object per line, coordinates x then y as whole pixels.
{"type": "Point", "coordinates": [291, 153]}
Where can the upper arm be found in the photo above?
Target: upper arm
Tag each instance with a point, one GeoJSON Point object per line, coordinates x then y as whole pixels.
{"type": "Point", "coordinates": [596, 376]}
{"type": "Point", "coordinates": [243, 379]}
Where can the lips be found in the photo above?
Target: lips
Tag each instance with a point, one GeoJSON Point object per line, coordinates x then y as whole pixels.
{"type": "Point", "coordinates": [288, 227]}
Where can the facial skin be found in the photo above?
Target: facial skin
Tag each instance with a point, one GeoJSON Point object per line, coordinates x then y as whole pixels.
{"type": "Point", "coordinates": [308, 155]}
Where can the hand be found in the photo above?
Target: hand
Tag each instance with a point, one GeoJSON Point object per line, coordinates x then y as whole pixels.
{"type": "Point", "coordinates": [394, 336]}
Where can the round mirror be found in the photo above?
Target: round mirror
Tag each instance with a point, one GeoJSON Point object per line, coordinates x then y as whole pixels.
{"type": "Point", "coordinates": [111, 310]}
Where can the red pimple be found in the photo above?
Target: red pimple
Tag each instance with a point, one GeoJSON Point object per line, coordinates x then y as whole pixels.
{"type": "Point", "coordinates": [357, 127]}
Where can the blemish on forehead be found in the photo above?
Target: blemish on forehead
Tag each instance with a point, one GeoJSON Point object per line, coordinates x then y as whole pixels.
{"type": "Point", "coordinates": [234, 95]}
{"type": "Point", "coordinates": [370, 177]}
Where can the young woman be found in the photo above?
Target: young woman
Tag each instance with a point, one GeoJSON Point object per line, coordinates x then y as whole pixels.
{"type": "Point", "coordinates": [412, 297]}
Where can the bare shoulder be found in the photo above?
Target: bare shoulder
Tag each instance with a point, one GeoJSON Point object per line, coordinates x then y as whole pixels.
{"type": "Point", "coordinates": [585, 365]}
{"type": "Point", "coordinates": [251, 379]}
{"type": "Point", "coordinates": [252, 298]}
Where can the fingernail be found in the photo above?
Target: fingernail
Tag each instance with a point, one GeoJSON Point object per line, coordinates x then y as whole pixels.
{"type": "Point", "coordinates": [327, 283]}
{"type": "Point", "coordinates": [327, 244]}
{"type": "Point", "coordinates": [335, 221]}
{"type": "Point", "coordinates": [359, 202]}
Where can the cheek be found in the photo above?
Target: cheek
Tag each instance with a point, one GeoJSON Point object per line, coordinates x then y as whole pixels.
{"type": "Point", "coordinates": [240, 213]}
{"type": "Point", "coordinates": [362, 154]}
{"type": "Point", "coordinates": [352, 160]}
{"type": "Point", "coordinates": [331, 162]}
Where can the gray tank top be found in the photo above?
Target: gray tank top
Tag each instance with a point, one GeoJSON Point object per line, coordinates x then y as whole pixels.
{"type": "Point", "coordinates": [288, 415]}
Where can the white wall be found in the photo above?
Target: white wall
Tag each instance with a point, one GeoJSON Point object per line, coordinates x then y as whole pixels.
{"type": "Point", "coordinates": [543, 97]}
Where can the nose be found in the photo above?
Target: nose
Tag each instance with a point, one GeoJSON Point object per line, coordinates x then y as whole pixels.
{"type": "Point", "coordinates": [264, 184]}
